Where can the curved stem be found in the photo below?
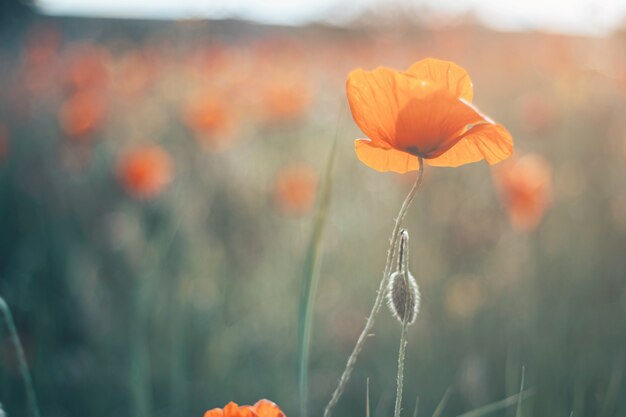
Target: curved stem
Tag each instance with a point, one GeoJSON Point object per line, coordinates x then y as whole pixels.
{"type": "Point", "coordinates": [21, 358]}
{"type": "Point", "coordinates": [380, 295]}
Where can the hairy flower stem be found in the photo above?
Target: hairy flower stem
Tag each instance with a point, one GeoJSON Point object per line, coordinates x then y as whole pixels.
{"type": "Point", "coordinates": [21, 359]}
{"type": "Point", "coordinates": [400, 377]}
{"type": "Point", "coordinates": [403, 343]}
{"type": "Point", "coordinates": [380, 295]}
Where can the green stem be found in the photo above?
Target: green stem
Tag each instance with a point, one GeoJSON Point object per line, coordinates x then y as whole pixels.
{"type": "Point", "coordinates": [380, 295]}
{"type": "Point", "coordinates": [403, 260]}
{"type": "Point", "coordinates": [311, 279]}
{"type": "Point", "coordinates": [401, 354]}
{"type": "Point", "coordinates": [21, 358]}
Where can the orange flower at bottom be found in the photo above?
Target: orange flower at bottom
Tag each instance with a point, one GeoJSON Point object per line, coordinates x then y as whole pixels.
{"type": "Point", "coordinates": [525, 185]}
{"type": "Point", "coordinates": [263, 408]}
{"type": "Point", "coordinates": [425, 112]}
{"type": "Point", "coordinates": [145, 171]}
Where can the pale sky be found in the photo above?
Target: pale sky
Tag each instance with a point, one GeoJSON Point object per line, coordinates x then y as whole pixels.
{"type": "Point", "coordinates": [595, 17]}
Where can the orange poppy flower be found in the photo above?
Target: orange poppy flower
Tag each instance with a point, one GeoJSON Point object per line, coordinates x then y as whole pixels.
{"type": "Point", "coordinates": [145, 171]}
{"type": "Point", "coordinates": [295, 189]}
{"type": "Point", "coordinates": [263, 408]}
{"type": "Point", "coordinates": [4, 141]}
{"type": "Point", "coordinates": [136, 73]}
{"type": "Point", "coordinates": [285, 100]}
{"type": "Point", "coordinates": [525, 186]}
{"type": "Point", "coordinates": [81, 114]}
{"type": "Point", "coordinates": [212, 120]}
{"type": "Point", "coordinates": [88, 66]}
{"type": "Point", "coordinates": [424, 111]}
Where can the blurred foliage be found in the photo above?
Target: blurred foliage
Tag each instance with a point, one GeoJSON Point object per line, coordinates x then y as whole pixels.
{"type": "Point", "coordinates": [157, 183]}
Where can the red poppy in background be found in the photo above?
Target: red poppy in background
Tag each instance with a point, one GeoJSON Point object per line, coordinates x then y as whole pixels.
{"type": "Point", "coordinates": [145, 171]}
{"type": "Point", "coordinates": [4, 142]}
{"type": "Point", "coordinates": [81, 114]}
{"type": "Point", "coordinates": [211, 120]}
{"type": "Point", "coordinates": [40, 58]}
{"type": "Point", "coordinates": [283, 100]}
{"type": "Point", "coordinates": [424, 111]}
{"type": "Point", "coordinates": [263, 408]}
{"type": "Point", "coordinates": [88, 66]}
{"type": "Point", "coordinates": [537, 114]}
{"type": "Point", "coordinates": [41, 44]}
{"type": "Point", "coordinates": [525, 185]}
{"type": "Point", "coordinates": [135, 73]}
{"type": "Point", "coordinates": [295, 189]}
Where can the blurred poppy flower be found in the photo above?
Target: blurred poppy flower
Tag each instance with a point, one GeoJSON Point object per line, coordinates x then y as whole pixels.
{"type": "Point", "coordinates": [40, 58]}
{"type": "Point", "coordinates": [283, 103]}
{"type": "Point", "coordinates": [4, 142]}
{"type": "Point", "coordinates": [424, 111]}
{"type": "Point", "coordinates": [145, 171]}
{"type": "Point", "coordinates": [211, 119]}
{"type": "Point", "coordinates": [295, 189]}
{"type": "Point", "coordinates": [41, 44]}
{"type": "Point", "coordinates": [525, 186]}
{"type": "Point", "coordinates": [88, 66]}
{"type": "Point", "coordinates": [263, 408]}
{"type": "Point", "coordinates": [285, 97]}
{"type": "Point", "coordinates": [136, 72]}
{"type": "Point", "coordinates": [536, 113]}
{"type": "Point", "coordinates": [81, 114]}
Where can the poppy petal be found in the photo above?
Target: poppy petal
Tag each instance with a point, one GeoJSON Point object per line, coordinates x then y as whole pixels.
{"type": "Point", "coordinates": [233, 410]}
{"type": "Point", "coordinates": [445, 75]}
{"type": "Point", "coordinates": [375, 101]}
{"type": "Point", "coordinates": [266, 408]}
{"type": "Point", "coordinates": [489, 141]}
{"type": "Point", "coordinates": [429, 125]}
{"type": "Point", "coordinates": [385, 159]}
{"type": "Point", "coordinates": [216, 412]}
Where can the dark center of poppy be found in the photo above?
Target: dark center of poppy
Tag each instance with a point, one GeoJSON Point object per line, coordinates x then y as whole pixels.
{"type": "Point", "coordinates": [413, 150]}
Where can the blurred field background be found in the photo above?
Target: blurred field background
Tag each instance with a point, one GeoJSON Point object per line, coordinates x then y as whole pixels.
{"type": "Point", "coordinates": [158, 184]}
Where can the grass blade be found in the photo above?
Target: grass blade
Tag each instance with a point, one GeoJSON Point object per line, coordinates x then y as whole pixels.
{"type": "Point", "coordinates": [310, 278]}
{"type": "Point", "coordinates": [518, 413]}
{"type": "Point", "coordinates": [417, 403]}
{"type": "Point", "coordinates": [21, 358]}
{"type": "Point", "coordinates": [498, 405]}
{"type": "Point", "coordinates": [442, 403]}
{"type": "Point", "coordinates": [367, 398]}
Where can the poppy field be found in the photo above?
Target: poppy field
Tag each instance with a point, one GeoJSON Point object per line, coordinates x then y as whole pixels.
{"type": "Point", "coordinates": [212, 218]}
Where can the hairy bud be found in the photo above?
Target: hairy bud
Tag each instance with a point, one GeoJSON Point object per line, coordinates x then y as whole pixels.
{"type": "Point", "coordinates": [403, 295]}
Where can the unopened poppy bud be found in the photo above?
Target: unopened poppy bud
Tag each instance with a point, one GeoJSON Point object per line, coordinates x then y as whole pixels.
{"type": "Point", "coordinates": [403, 295]}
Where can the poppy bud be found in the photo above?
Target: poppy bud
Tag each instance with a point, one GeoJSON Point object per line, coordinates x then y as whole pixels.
{"type": "Point", "coordinates": [403, 295]}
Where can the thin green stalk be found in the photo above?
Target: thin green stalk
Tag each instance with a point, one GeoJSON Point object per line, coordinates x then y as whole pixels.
{"type": "Point", "coordinates": [367, 399]}
{"type": "Point", "coordinates": [498, 405]}
{"type": "Point", "coordinates": [141, 391]}
{"type": "Point", "coordinates": [143, 298]}
{"type": "Point", "coordinates": [380, 295]}
{"type": "Point", "coordinates": [401, 354]}
{"type": "Point", "coordinates": [442, 403]}
{"type": "Point", "coordinates": [518, 412]}
{"type": "Point", "coordinates": [403, 266]}
{"type": "Point", "coordinates": [417, 403]}
{"type": "Point", "coordinates": [311, 279]}
{"type": "Point", "coordinates": [21, 358]}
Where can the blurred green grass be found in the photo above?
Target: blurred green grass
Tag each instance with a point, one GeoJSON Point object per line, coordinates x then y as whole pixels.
{"type": "Point", "coordinates": [185, 301]}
